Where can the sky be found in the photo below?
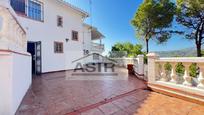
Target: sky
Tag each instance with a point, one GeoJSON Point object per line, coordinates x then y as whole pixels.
{"type": "Point", "coordinates": [113, 17]}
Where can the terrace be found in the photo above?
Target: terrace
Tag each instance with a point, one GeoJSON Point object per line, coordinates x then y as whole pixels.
{"type": "Point", "coordinates": [151, 91]}
{"type": "Point", "coordinates": [114, 94]}
{"type": "Point", "coordinates": [53, 94]}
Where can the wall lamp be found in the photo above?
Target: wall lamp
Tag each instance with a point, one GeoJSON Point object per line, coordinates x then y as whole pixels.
{"type": "Point", "coordinates": [67, 39]}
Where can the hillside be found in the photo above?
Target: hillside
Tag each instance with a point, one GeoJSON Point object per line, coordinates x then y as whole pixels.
{"type": "Point", "coordinates": [188, 52]}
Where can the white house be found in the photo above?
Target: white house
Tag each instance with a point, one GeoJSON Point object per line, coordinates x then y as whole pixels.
{"type": "Point", "coordinates": [56, 33]}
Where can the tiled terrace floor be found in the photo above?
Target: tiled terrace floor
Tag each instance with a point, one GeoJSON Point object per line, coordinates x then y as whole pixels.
{"type": "Point", "coordinates": [54, 94]}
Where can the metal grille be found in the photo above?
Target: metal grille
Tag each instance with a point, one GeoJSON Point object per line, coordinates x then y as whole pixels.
{"type": "Point", "coordinates": [19, 6]}
{"type": "Point", "coordinates": [30, 8]}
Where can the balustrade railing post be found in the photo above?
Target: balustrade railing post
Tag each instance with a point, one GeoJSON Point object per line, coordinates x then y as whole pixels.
{"type": "Point", "coordinates": [187, 77]}
{"type": "Point", "coordinates": [152, 57]}
{"type": "Point", "coordinates": [140, 64]}
{"type": "Point", "coordinates": [163, 73]}
{"type": "Point", "coordinates": [173, 73]}
{"type": "Point", "coordinates": [201, 76]}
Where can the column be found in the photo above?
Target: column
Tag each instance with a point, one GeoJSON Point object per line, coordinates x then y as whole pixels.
{"type": "Point", "coordinates": [152, 57]}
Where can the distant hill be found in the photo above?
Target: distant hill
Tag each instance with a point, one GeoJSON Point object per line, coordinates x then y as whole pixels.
{"type": "Point", "coordinates": [188, 52]}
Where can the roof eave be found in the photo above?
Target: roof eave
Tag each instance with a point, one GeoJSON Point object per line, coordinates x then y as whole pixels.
{"type": "Point", "coordinates": [84, 13]}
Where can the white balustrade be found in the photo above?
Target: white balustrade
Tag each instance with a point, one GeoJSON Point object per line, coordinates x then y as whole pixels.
{"type": "Point", "coordinates": [201, 76]}
{"type": "Point", "coordinates": [163, 73]}
{"type": "Point", "coordinates": [172, 78]}
{"type": "Point", "coordinates": [187, 78]}
{"type": "Point", "coordinates": [138, 64]}
{"type": "Point", "coordinates": [173, 73]}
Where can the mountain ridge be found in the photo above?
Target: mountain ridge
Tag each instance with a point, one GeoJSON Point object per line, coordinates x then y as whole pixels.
{"type": "Point", "coordinates": [187, 52]}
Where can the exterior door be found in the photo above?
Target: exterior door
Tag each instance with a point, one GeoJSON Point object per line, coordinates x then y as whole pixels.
{"type": "Point", "coordinates": [38, 64]}
{"type": "Point", "coordinates": [34, 48]}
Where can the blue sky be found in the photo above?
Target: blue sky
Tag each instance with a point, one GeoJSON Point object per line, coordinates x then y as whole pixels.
{"type": "Point", "coordinates": [112, 18]}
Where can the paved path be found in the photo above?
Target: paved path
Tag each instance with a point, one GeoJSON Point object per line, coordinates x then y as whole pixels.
{"type": "Point", "coordinates": [55, 94]}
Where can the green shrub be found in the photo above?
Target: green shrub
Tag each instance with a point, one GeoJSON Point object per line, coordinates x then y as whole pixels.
{"type": "Point", "coordinates": [193, 70]}
{"type": "Point", "coordinates": [167, 66]}
{"type": "Point", "coordinates": [180, 69]}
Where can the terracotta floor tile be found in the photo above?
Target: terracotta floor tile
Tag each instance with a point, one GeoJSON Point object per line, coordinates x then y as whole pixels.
{"type": "Point", "coordinates": [132, 109]}
{"type": "Point", "coordinates": [109, 108]}
{"type": "Point", "coordinates": [122, 103]}
{"type": "Point", "coordinates": [196, 110]}
{"type": "Point", "coordinates": [120, 112]}
{"type": "Point", "coordinates": [53, 94]}
{"type": "Point", "coordinates": [95, 111]}
{"type": "Point", "coordinates": [132, 99]}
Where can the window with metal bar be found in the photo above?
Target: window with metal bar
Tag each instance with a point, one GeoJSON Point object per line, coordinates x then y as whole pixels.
{"type": "Point", "coordinates": [58, 47]}
{"type": "Point", "coordinates": [75, 35]}
{"type": "Point", "coordinates": [19, 6]}
{"type": "Point", "coordinates": [34, 10]}
{"type": "Point", "coordinates": [30, 8]}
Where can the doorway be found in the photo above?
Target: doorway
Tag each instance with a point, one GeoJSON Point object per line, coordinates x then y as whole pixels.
{"type": "Point", "coordinates": [34, 48]}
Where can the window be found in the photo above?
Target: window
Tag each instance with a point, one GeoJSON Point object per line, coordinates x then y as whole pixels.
{"type": "Point", "coordinates": [30, 8]}
{"type": "Point", "coordinates": [75, 35]}
{"type": "Point", "coordinates": [19, 6]}
{"type": "Point", "coordinates": [58, 47]}
{"type": "Point", "coordinates": [59, 21]}
{"type": "Point", "coordinates": [34, 10]}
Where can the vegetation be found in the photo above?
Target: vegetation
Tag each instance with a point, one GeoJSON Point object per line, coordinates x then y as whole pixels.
{"type": "Point", "coordinates": [167, 66]}
{"type": "Point", "coordinates": [190, 13]}
{"type": "Point", "coordinates": [126, 49]}
{"type": "Point", "coordinates": [180, 69]}
{"type": "Point", "coordinates": [202, 53]}
{"type": "Point", "coordinates": [152, 20]}
{"type": "Point", "coordinates": [193, 70]}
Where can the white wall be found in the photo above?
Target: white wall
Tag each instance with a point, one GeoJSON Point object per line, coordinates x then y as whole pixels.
{"type": "Point", "coordinates": [15, 79]}
{"type": "Point", "coordinates": [5, 82]}
{"type": "Point", "coordinates": [47, 32]}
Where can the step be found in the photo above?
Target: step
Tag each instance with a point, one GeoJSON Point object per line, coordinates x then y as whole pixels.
{"type": "Point", "coordinates": [181, 94]}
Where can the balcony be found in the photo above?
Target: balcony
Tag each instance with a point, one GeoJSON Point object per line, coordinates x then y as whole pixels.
{"type": "Point", "coordinates": [97, 47]}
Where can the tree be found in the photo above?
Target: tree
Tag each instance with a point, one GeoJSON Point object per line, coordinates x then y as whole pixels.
{"type": "Point", "coordinates": [202, 53]}
{"type": "Point", "coordinates": [152, 20]}
{"type": "Point", "coordinates": [190, 14]}
{"type": "Point", "coordinates": [125, 49]}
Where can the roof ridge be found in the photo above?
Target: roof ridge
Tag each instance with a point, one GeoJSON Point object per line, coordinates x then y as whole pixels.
{"type": "Point", "coordinates": [74, 7]}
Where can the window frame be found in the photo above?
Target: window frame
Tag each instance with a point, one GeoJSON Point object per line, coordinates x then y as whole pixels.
{"type": "Point", "coordinates": [24, 3]}
{"type": "Point", "coordinates": [56, 50]}
{"type": "Point", "coordinates": [26, 15]}
{"type": "Point", "coordinates": [77, 33]}
{"type": "Point", "coordinates": [58, 21]}
{"type": "Point", "coordinates": [41, 9]}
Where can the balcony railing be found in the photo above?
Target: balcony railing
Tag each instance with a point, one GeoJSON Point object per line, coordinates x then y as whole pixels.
{"type": "Point", "coordinates": [97, 47]}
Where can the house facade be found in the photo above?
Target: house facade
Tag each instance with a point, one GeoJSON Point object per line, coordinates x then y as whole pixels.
{"type": "Point", "coordinates": [56, 33]}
